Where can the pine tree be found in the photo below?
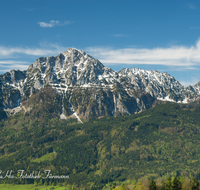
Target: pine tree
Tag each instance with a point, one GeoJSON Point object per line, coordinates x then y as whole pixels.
{"type": "Point", "coordinates": [152, 185]}
{"type": "Point", "coordinates": [195, 184]}
{"type": "Point", "coordinates": [168, 184]}
{"type": "Point", "coordinates": [176, 184]}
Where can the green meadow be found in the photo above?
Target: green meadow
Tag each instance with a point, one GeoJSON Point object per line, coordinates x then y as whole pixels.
{"type": "Point", "coordinates": [30, 187]}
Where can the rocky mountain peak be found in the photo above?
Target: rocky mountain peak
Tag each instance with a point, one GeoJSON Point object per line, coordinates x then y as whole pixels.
{"type": "Point", "coordinates": [88, 88]}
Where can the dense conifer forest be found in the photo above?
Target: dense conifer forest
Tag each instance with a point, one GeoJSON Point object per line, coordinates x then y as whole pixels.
{"type": "Point", "coordinates": [103, 153]}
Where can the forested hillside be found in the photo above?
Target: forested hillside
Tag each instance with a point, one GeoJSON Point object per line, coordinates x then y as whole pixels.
{"type": "Point", "coordinates": [161, 141]}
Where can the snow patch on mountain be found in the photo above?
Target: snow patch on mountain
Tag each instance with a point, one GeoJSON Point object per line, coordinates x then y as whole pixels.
{"type": "Point", "coordinates": [75, 69]}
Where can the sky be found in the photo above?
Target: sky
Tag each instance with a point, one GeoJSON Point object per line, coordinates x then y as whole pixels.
{"type": "Point", "coordinates": [162, 35]}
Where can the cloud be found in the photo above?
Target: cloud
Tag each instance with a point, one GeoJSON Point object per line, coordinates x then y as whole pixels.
{"type": "Point", "coordinates": [45, 50]}
{"type": "Point", "coordinates": [7, 62]}
{"type": "Point", "coordinates": [185, 57]}
{"type": "Point", "coordinates": [191, 81]}
{"type": "Point", "coordinates": [194, 28]}
{"type": "Point", "coordinates": [191, 6]}
{"type": "Point", "coordinates": [7, 53]}
{"type": "Point", "coordinates": [179, 58]}
{"type": "Point", "coordinates": [47, 25]}
{"type": "Point", "coordinates": [179, 68]}
{"type": "Point", "coordinates": [53, 23]}
{"type": "Point", "coordinates": [7, 65]}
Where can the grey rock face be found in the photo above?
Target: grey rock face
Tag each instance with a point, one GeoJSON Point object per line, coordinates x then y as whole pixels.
{"type": "Point", "coordinates": [91, 89]}
{"type": "Point", "coordinates": [195, 88]}
{"type": "Point", "coordinates": [10, 97]}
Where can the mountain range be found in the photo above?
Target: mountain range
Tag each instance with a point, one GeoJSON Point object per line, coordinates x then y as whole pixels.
{"type": "Point", "coordinates": [159, 142]}
{"type": "Point", "coordinates": [48, 100]}
{"type": "Point", "coordinates": [88, 89]}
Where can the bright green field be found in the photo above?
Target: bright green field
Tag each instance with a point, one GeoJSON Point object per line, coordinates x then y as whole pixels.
{"type": "Point", "coordinates": [30, 187]}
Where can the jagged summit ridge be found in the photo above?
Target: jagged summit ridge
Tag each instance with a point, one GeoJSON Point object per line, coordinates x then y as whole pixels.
{"type": "Point", "coordinates": [72, 72]}
{"type": "Point", "coordinates": [68, 68]}
{"type": "Point", "coordinates": [156, 83]}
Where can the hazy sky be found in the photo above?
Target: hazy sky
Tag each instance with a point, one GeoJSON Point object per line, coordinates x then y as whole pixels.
{"type": "Point", "coordinates": [158, 35]}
